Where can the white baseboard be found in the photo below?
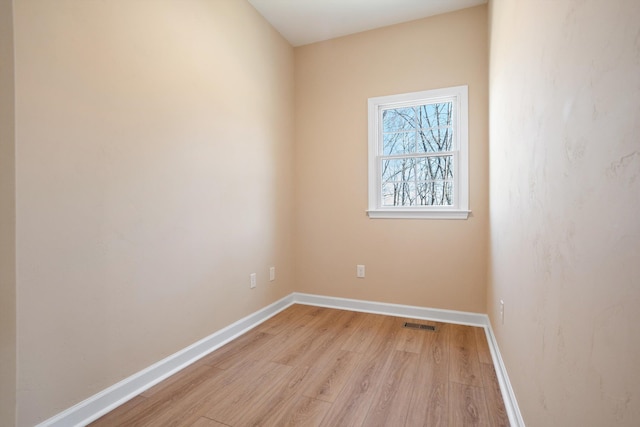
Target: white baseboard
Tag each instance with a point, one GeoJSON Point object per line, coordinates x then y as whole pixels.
{"type": "Point", "coordinates": [508, 396]}
{"type": "Point", "coordinates": [448, 316]}
{"type": "Point", "coordinates": [99, 404]}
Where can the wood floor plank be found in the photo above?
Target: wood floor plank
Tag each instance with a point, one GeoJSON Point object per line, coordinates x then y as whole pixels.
{"type": "Point", "coordinates": [484, 354]}
{"type": "Point", "coordinates": [345, 321]}
{"type": "Point", "coordinates": [266, 351]}
{"type": "Point", "coordinates": [185, 409]}
{"type": "Point", "coordinates": [330, 380]}
{"type": "Point", "coordinates": [292, 315]}
{"type": "Point", "coordinates": [464, 367]}
{"type": "Point", "coordinates": [280, 401]}
{"type": "Point", "coordinates": [238, 349]}
{"type": "Point", "coordinates": [119, 416]}
{"type": "Point", "coordinates": [326, 317]}
{"type": "Point", "coordinates": [322, 351]}
{"type": "Point", "coordinates": [295, 348]}
{"type": "Point", "coordinates": [195, 404]}
{"type": "Point", "coordinates": [189, 374]}
{"type": "Point", "coordinates": [352, 404]}
{"type": "Point", "coordinates": [385, 336]}
{"type": "Point", "coordinates": [391, 403]}
{"type": "Point", "coordinates": [495, 405]}
{"type": "Point", "coordinates": [323, 345]}
{"type": "Point", "coordinates": [364, 334]}
{"type": "Point", "coordinates": [230, 404]}
{"type": "Point", "coordinates": [336, 368]}
{"type": "Point", "coordinates": [430, 400]}
{"type": "Point", "coordinates": [308, 339]}
{"type": "Point", "coordinates": [305, 412]}
{"type": "Point", "coordinates": [411, 339]}
{"type": "Point", "coordinates": [206, 422]}
{"type": "Point", "coordinates": [467, 406]}
{"type": "Point", "coordinates": [163, 403]}
{"type": "Point", "coordinates": [329, 342]}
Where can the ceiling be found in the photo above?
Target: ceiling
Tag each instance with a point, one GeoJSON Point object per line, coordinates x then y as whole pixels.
{"type": "Point", "coordinates": [307, 21]}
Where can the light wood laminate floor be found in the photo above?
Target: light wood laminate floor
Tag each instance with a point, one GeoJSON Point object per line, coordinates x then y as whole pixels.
{"type": "Point", "coordinates": [312, 366]}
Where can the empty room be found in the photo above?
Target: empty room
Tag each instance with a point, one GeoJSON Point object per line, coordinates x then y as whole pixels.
{"type": "Point", "coordinates": [319, 212]}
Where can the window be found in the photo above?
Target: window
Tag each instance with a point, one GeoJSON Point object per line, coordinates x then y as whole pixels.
{"type": "Point", "coordinates": [418, 155]}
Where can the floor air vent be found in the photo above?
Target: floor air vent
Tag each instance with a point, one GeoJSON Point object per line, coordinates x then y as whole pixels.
{"type": "Point", "coordinates": [419, 326]}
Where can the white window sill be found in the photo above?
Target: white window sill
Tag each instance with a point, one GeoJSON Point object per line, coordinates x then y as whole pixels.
{"type": "Point", "coordinates": [419, 214]}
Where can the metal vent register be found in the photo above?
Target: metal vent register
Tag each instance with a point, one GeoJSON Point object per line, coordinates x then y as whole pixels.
{"type": "Point", "coordinates": [419, 326]}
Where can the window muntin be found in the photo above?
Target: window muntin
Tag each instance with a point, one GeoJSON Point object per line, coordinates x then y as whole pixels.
{"type": "Point", "coordinates": [418, 154]}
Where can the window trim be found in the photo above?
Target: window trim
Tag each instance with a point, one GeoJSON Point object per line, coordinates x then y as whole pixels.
{"type": "Point", "coordinates": [460, 209]}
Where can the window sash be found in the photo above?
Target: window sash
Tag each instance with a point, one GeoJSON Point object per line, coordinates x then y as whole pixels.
{"type": "Point", "coordinates": [455, 191]}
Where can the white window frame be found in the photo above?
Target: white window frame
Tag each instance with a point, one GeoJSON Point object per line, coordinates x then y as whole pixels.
{"type": "Point", "coordinates": [460, 150]}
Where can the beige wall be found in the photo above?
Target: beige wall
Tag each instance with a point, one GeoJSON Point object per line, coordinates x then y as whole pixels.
{"type": "Point", "coordinates": [565, 205]}
{"type": "Point", "coordinates": [154, 172]}
{"type": "Point", "coordinates": [7, 221]}
{"type": "Point", "coordinates": [433, 263]}
{"type": "Point", "coordinates": [137, 228]}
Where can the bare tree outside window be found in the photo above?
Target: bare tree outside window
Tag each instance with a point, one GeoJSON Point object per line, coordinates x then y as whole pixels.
{"type": "Point", "coordinates": [417, 164]}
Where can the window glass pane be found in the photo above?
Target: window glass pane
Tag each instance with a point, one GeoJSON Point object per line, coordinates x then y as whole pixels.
{"type": "Point", "coordinates": [398, 170]}
{"type": "Point", "coordinates": [435, 193]}
{"type": "Point", "coordinates": [448, 193]}
{"type": "Point", "coordinates": [414, 181]}
{"type": "Point", "coordinates": [434, 168]}
{"type": "Point", "coordinates": [435, 115]}
{"type": "Point", "coordinates": [399, 194]}
{"type": "Point", "coordinates": [440, 167]}
{"type": "Point", "coordinates": [389, 192]}
{"type": "Point", "coordinates": [397, 119]}
{"type": "Point", "coordinates": [434, 140]}
{"type": "Point", "coordinates": [399, 143]}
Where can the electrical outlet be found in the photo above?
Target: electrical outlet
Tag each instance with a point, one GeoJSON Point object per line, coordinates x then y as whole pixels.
{"type": "Point", "coordinates": [252, 280]}
{"type": "Point", "coordinates": [502, 311]}
{"type": "Point", "coordinates": [360, 270]}
{"type": "Point", "coordinates": [272, 274]}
